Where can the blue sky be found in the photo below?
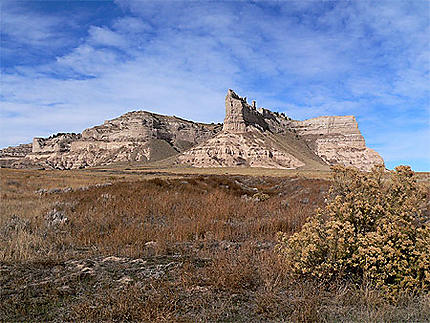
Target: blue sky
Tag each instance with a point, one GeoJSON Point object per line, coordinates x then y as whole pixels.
{"type": "Point", "coordinates": [70, 65]}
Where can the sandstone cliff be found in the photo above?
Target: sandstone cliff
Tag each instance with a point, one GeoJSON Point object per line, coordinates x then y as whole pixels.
{"type": "Point", "coordinates": [261, 138]}
{"type": "Point", "coordinates": [249, 137]}
{"type": "Point", "coordinates": [251, 149]}
{"type": "Point", "coordinates": [11, 155]}
{"type": "Point", "coordinates": [135, 136]}
{"type": "Point", "coordinates": [337, 140]}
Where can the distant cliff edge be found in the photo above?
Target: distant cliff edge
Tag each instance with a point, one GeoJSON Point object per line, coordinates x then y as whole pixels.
{"type": "Point", "coordinates": [249, 137]}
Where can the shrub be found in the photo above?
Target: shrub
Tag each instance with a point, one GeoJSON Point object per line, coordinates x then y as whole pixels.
{"type": "Point", "coordinates": [260, 197]}
{"type": "Point", "coordinates": [374, 229]}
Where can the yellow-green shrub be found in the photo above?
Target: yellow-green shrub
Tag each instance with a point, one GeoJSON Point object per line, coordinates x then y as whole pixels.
{"type": "Point", "coordinates": [374, 229]}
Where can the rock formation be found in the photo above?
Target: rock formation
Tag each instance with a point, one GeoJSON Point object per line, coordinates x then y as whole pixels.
{"type": "Point", "coordinates": [337, 140]}
{"type": "Point", "coordinates": [242, 141]}
{"type": "Point", "coordinates": [249, 149]}
{"type": "Point", "coordinates": [11, 155]}
{"type": "Point", "coordinates": [261, 138]}
{"type": "Point", "coordinates": [249, 137]}
{"type": "Point", "coordinates": [135, 136]}
{"type": "Point", "coordinates": [239, 115]}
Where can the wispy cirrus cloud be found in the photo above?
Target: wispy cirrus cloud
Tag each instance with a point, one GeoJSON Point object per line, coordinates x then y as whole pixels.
{"type": "Point", "coordinates": [303, 58]}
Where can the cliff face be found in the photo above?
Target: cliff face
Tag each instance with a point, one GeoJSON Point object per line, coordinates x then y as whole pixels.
{"type": "Point", "coordinates": [242, 117]}
{"type": "Point", "coordinates": [250, 149]}
{"type": "Point", "coordinates": [135, 136]}
{"type": "Point", "coordinates": [11, 155]}
{"type": "Point", "coordinates": [244, 140]}
{"type": "Point", "coordinates": [60, 142]}
{"type": "Point", "coordinates": [142, 126]}
{"type": "Point", "coordinates": [250, 137]}
{"type": "Point", "coordinates": [260, 137]}
{"type": "Point", "coordinates": [337, 140]}
{"type": "Point", "coordinates": [239, 115]}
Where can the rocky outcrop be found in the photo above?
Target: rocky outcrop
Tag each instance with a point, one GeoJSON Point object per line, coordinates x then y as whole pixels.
{"type": "Point", "coordinates": [337, 140]}
{"type": "Point", "coordinates": [141, 126]}
{"type": "Point", "coordinates": [261, 138]}
{"type": "Point", "coordinates": [239, 115]}
{"type": "Point", "coordinates": [229, 149]}
{"type": "Point", "coordinates": [11, 155]}
{"type": "Point", "coordinates": [242, 117]}
{"type": "Point", "coordinates": [250, 137]}
{"type": "Point", "coordinates": [135, 136]}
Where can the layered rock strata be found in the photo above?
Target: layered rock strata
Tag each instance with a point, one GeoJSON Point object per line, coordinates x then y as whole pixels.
{"type": "Point", "coordinates": [135, 136]}
{"type": "Point", "coordinates": [337, 140]}
{"type": "Point", "coordinates": [249, 137]}
{"type": "Point", "coordinates": [11, 155]}
{"type": "Point", "coordinates": [242, 117]}
{"type": "Point", "coordinates": [250, 149]}
{"type": "Point", "coordinates": [261, 138]}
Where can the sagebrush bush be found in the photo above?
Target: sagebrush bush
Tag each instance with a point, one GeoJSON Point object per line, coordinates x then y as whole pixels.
{"type": "Point", "coordinates": [374, 229]}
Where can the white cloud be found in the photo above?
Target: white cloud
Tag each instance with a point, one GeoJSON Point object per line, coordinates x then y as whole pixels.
{"type": "Point", "coordinates": [105, 36]}
{"type": "Point", "coordinates": [306, 59]}
{"type": "Point", "coordinates": [131, 25]}
{"type": "Point", "coordinates": [25, 32]}
{"type": "Point", "coordinates": [88, 60]}
{"type": "Point", "coordinates": [27, 27]}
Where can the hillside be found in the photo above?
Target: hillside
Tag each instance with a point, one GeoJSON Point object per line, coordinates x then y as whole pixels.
{"type": "Point", "coordinates": [249, 137]}
{"type": "Point", "coordinates": [260, 138]}
{"type": "Point", "coordinates": [137, 136]}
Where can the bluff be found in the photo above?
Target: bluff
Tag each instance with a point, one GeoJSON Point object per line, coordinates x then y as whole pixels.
{"type": "Point", "coordinates": [262, 138]}
{"type": "Point", "coordinates": [12, 155]}
{"type": "Point", "coordinates": [249, 137]}
{"type": "Point", "coordinates": [135, 136]}
{"type": "Point", "coordinates": [337, 140]}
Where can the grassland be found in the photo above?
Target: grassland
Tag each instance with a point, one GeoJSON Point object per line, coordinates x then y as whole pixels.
{"type": "Point", "coordinates": [156, 244]}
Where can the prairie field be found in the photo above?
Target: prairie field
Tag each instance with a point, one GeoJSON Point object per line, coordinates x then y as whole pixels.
{"type": "Point", "coordinates": [154, 244]}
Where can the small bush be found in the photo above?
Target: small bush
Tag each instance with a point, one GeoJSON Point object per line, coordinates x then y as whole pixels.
{"type": "Point", "coordinates": [260, 197]}
{"type": "Point", "coordinates": [374, 229]}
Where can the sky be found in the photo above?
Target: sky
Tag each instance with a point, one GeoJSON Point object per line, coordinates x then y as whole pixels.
{"type": "Point", "coordinates": [70, 65]}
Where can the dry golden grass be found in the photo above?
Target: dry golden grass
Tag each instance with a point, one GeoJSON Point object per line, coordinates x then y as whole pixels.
{"type": "Point", "coordinates": [191, 248]}
{"type": "Point", "coordinates": [22, 208]}
{"type": "Point", "coordinates": [171, 212]}
{"type": "Point", "coordinates": [121, 218]}
{"type": "Point", "coordinates": [181, 170]}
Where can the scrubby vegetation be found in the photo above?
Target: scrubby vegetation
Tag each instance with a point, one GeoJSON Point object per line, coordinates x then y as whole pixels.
{"type": "Point", "coordinates": [188, 248]}
{"type": "Point", "coordinates": [375, 229]}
